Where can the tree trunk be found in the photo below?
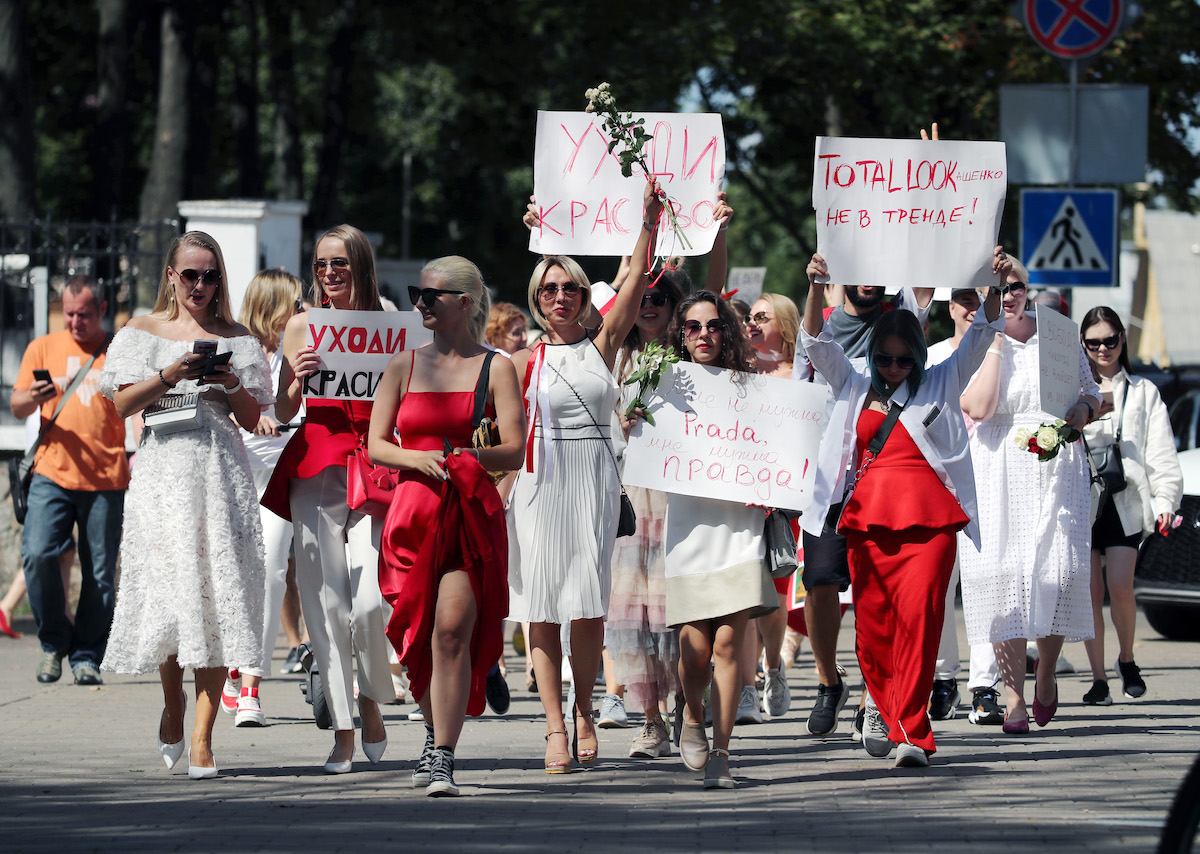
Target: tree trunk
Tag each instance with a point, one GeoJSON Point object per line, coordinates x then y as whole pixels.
{"type": "Point", "coordinates": [287, 173]}
{"type": "Point", "coordinates": [164, 182]}
{"type": "Point", "coordinates": [245, 106]}
{"type": "Point", "coordinates": [110, 143]}
{"type": "Point", "coordinates": [337, 96]}
{"type": "Point", "coordinates": [16, 114]}
{"type": "Point", "coordinates": [210, 38]}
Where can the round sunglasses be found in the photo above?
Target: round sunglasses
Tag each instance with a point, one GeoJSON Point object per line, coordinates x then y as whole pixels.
{"type": "Point", "coordinates": [691, 328]}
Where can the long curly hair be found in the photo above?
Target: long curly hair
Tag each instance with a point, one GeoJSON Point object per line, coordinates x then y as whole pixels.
{"type": "Point", "coordinates": [736, 353]}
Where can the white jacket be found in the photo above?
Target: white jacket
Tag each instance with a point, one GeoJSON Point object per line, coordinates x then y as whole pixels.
{"type": "Point", "coordinates": [933, 418]}
{"type": "Point", "coordinates": [1154, 481]}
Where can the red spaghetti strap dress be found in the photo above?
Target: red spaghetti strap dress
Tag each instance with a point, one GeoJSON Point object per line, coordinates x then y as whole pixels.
{"type": "Point", "coordinates": [900, 524]}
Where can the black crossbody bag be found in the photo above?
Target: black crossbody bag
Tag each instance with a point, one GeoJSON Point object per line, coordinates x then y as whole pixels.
{"type": "Point", "coordinates": [834, 517]}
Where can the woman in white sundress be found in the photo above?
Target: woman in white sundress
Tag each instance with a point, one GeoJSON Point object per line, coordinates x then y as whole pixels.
{"type": "Point", "coordinates": [1031, 578]}
{"type": "Point", "coordinates": [191, 587]}
{"type": "Point", "coordinates": [565, 503]}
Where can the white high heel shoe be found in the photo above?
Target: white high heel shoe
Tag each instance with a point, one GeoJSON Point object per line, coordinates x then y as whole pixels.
{"type": "Point", "coordinates": [374, 750]}
{"type": "Point", "coordinates": [332, 767]}
{"type": "Point", "coordinates": [200, 772]}
{"type": "Point", "coordinates": [171, 753]}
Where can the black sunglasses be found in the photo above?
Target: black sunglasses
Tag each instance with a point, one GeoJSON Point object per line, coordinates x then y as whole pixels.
{"type": "Point", "coordinates": [428, 295]}
{"type": "Point", "coordinates": [1095, 344]}
{"type": "Point", "coordinates": [1013, 288]}
{"type": "Point", "coordinates": [208, 277]}
{"type": "Point", "coordinates": [691, 328]}
{"type": "Point", "coordinates": [335, 263]}
{"type": "Point", "coordinates": [550, 291]}
{"type": "Point", "coordinates": [657, 298]}
{"type": "Point", "coordinates": [884, 360]}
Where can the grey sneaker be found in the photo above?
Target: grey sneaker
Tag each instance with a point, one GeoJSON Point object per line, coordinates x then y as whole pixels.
{"type": "Point", "coordinates": [777, 696]}
{"type": "Point", "coordinates": [911, 756]}
{"type": "Point", "coordinates": [875, 732]}
{"type": "Point", "coordinates": [653, 741]}
{"type": "Point", "coordinates": [87, 674]}
{"type": "Point", "coordinates": [748, 712]}
{"type": "Point", "coordinates": [50, 668]}
{"type": "Point", "coordinates": [823, 719]}
{"type": "Point", "coordinates": [420, 774]}
{"type": "Point", "coordinates": [612, 713]}
{"type": "Point", "coordinates": [441, 775]}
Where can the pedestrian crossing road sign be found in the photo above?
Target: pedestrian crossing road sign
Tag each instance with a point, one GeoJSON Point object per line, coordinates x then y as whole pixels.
{"type": "Point", "coordinates": [1069, 237]}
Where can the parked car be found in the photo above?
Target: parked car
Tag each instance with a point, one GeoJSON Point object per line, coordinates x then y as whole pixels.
{"type": "Point", "coordinates": [1185, 420]}
{"type": "Point", "coordinates": [1167, 580]}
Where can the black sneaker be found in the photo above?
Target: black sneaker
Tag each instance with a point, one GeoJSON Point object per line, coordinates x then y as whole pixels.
{"type": "Point", "coordinates": [856, 727]}
{"type": "Point", "coordinates": [495, 691]}
{"type": "Point", "coordinates": [830, 699]}
{"type": "Point", "coordinates": [292, 664]}
{"type": "Point", "coordinates": [985, 707]}
{"type": "Point", "coordinates": [441, 774]}
{"type": "Point", "coordinates": [944, 699]}
{"type": "Point", "coordinates": [420, 774]}
{"type": "Point", "coordinates": [1132, 683]}
{"type": "Point", "coordinates": [1098, 695]}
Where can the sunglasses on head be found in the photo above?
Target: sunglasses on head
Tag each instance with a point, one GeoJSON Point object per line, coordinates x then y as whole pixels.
{"type": "Point", "coordinates": [657, 298]}
{"type": "Point", "coordinates": [691, 328]}
{"type": "Point", "coordinates": [1109, 343]}
{"type": "Point", "coordinates": [884, 360]}
{"type": "Point", "coordinates": [208, 277]}
{"type": "Point", "coordinates": [550, 291]}
{"type": "Point", "coordinates": [335, 263]}
{"type": "Point", "coordinates": [428, 295]}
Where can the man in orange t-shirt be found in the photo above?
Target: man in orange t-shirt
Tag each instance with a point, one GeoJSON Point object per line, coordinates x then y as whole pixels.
{"type": "Point", "coordinates": [79, 477]}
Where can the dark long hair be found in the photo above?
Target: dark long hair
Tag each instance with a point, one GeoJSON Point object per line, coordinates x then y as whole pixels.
{"type": "Point", "coordinates": [676, 285]}
{"type": "Point", "coordinates": [905, 326]}
{"type": "Point", "coordinates": [1104, 314]}
{"type": "Point", "coordinates": [735, 349]}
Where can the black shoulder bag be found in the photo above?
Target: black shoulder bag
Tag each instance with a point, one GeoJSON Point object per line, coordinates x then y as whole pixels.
{"type": "Point", "coordinates": [834, 517]}
{"type": "Point", "coordinates": [1107, 460]}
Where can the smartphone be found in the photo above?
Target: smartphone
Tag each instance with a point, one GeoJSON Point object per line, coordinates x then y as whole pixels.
{"type": "Point", "coordinates": [215, 361]}
{"type": "Point", "coordinates": [1106, 397]}
{"type": "Point", "coordinates": [204, 347]}
{"type": "Point", "coordinates": [41, 376]}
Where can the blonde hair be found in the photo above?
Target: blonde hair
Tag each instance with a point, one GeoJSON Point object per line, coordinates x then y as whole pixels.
{"type": "Point", "coordinates": [364, 287]}
{"type": "Point", "coordinates": [461, 274]}
{"type": "Point", "coordinates": [569, 266]}
{"type": "Point", "coordinates": [503, 313]}
{"type": "Point", "coordinates": [269, 303]}
{"type": "Point", "coordinates": [166, 305]}
{"type": "Point", "coordinates": [787, 316]}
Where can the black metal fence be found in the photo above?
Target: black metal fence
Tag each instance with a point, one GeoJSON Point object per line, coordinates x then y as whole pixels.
{"type": "Point", "coordinates": [36, 259]}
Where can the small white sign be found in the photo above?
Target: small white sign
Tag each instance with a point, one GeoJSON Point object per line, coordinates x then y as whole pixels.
{"type": "Point", "coordinates": [730, 436]}
{"type": "Point", "coordinates": [898, 212]}
{"type": "Point", "coordinates": [746, 283]}
{"type": "Point", "coordinates": [355, 348]}
{"type": "Point", "coordinates": [1058, 361]}
{"type": "Point", "coordinates": [587, 207]}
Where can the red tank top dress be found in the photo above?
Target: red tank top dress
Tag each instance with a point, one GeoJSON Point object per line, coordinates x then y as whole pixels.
{"type": "Point", "coordinates": [899, 490]}
{"type": "Point", "coordinates": [332, 429]}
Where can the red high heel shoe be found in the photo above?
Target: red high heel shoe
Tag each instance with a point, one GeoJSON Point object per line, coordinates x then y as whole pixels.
{"type": "Point", "coordinates": [6, 627]}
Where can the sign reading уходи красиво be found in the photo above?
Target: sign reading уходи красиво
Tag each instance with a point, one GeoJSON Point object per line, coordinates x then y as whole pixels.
{"type": "Point", "coordinates": [355, 348]}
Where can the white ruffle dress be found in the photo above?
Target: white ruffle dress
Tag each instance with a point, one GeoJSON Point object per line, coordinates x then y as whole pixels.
{"type": "Point", "coordinates": [191, 560]}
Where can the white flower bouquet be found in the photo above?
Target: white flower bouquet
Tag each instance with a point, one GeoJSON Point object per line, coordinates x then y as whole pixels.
{"type": "Point", "coordinates": [1047, 440]}
{"type": "Point", "coordinates": [651, 364]}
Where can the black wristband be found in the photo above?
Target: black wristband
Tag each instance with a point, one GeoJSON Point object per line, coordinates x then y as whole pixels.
{"type": "Point", "coordinates": [163, 379]}
{"type": "Point", "coordinates": [1091, 412]}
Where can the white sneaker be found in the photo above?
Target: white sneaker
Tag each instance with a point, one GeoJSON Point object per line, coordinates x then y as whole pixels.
{"type": "Point", "coordinates": [777, 696]}
{"type": "Point", "coordinates": [748, 712]}
{"type": "Point", "coordinates": [249, 712]}
{"type": "Point", "coordinates": [910, 756]}
{"type": "Point", "coordinates": [231, 692]}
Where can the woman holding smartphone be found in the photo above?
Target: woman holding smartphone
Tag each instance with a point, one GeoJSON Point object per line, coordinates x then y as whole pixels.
{"type": "Point", "coordinates": [193, 598]}
{"type": "Point", "coordinates": [337, 549]}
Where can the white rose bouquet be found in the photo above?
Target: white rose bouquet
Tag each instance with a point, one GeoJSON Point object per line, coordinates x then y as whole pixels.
{"type": "Point", "coordinates": [651, 364]}
{"type": "Point", "coordinates": [1047, 440]}
{"type": "Point", "coordinates": [632, 136]}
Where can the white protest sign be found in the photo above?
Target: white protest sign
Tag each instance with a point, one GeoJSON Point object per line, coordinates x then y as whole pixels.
{"type": "Point", "coordinates": [899, 212]}
{"type": "Point", "coordinates": [587, 207]}
{"type": "Point", "coordinates": [1058, 361]}
{"type": "Point", "coordinates": [746, 283]}
{"type": "Point", "coordinates": [731, 436]}
{"type": "Point", "coordinates": [355, 347]}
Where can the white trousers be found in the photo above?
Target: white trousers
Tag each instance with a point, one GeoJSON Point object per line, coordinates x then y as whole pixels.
{"type": "Point", "coordinates": [985, 672]}
{"type": "Point", "coordinates": [277, 538]}
{"type": "Point", "coordinates": [337, 573]}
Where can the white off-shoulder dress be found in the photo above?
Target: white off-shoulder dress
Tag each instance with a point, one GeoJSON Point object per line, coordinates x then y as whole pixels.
{"type": "Point", "coordinates": [191, 559]}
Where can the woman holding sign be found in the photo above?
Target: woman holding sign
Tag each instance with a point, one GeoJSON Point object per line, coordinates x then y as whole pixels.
{"type": "Point", "coordinates": [566, 500]}
{"type": "Point", "coordinates": [1031, 577]}
{"type": "Point", "coordinates": [337, 558]}
{"type": "Point", "coordinates": [191, 588]}
{"type": "Point", "coordinates": [898, 427]}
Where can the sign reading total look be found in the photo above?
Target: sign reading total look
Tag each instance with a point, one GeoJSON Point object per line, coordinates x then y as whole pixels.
{"type": "Point", "coordinates": [898, 212]}
{"type": "Point", "coordinates": [355, 348]}
{"type": "Point", "coordinates": [587, 207]}
{"type": "Point", "coordinates": [730, 436]}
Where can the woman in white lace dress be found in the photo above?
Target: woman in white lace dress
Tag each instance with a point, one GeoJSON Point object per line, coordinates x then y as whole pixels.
{"type": "Point", "coordinates": [1031, 577]}
{"type": "Point", "coordinates": [191, 586]}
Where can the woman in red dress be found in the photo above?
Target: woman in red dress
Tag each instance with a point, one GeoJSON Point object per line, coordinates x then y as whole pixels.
{"type": "Point", "coordinates": [443, 562]}
{"type": "Point", "coordinates": [336, 547]}
{"type": "Point", "coordinates": [904, 504]}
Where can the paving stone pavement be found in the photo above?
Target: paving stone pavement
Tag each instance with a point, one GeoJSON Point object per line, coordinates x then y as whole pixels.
{"type": "Point", "coordinates": [79, 771]}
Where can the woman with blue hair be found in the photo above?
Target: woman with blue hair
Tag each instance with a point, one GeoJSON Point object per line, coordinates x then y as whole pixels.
{"type": "Point", "coordinates": [898, 427]}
